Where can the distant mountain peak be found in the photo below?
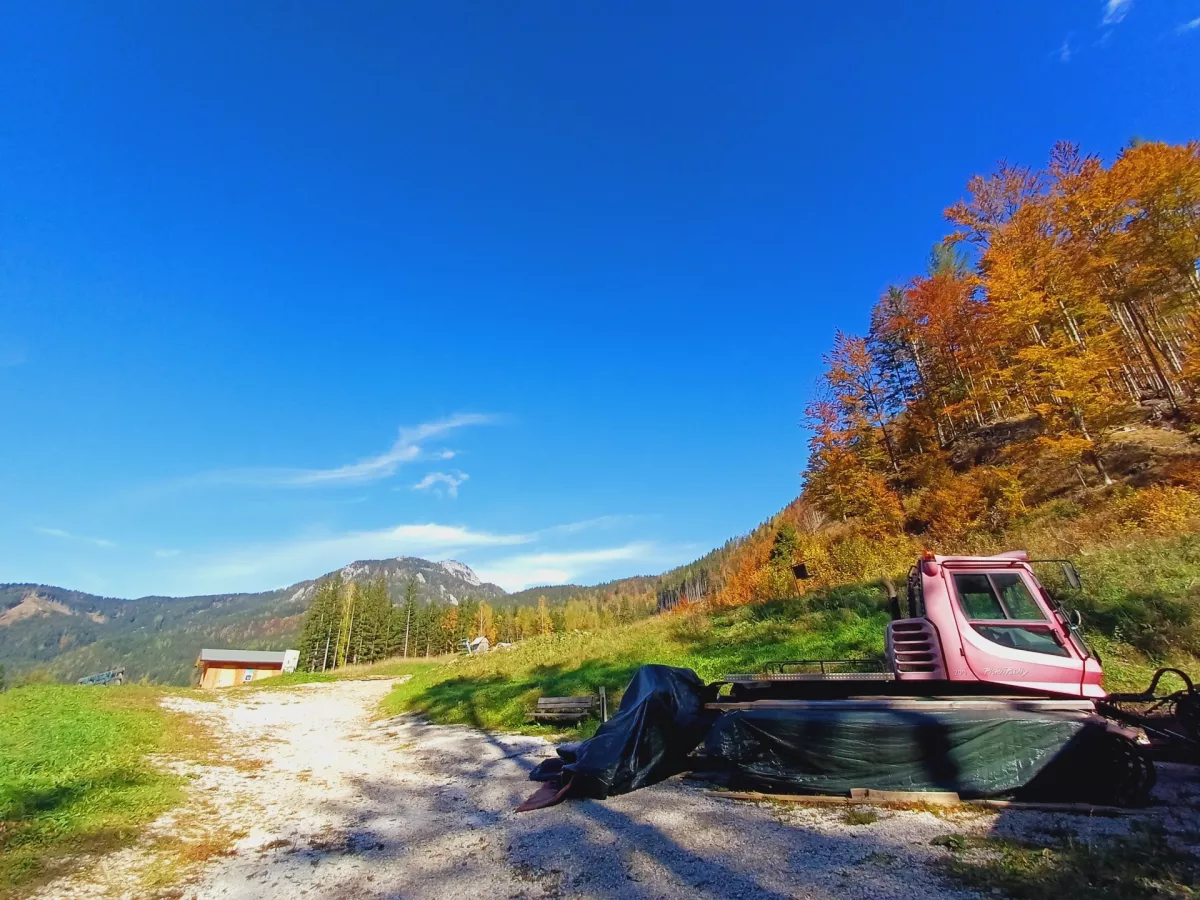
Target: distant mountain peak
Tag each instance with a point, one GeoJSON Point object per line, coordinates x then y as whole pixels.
{"type": "Point", "coordinates": [461, 571]}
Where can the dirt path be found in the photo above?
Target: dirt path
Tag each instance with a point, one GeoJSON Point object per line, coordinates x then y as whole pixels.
{"type": "Point", "coordinates": [343, 807]}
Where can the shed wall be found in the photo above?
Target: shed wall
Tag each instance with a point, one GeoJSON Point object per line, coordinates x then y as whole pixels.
{"type": "Point", "coordinates": [219, 676]}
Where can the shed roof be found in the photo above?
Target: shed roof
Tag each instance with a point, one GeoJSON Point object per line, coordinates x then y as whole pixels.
{"type": "Point", "coordinates": [259, 657]}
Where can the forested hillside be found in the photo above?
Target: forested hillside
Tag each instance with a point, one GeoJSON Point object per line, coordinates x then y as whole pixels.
{"type": "Point", "coordinates": [1036, 385]}
{"type": "Point", "coordinates": [353, 622]}
{"type": "Point", "coordinates": [61, 634]}
{"type": "Point", "coordinates": [354, 619]}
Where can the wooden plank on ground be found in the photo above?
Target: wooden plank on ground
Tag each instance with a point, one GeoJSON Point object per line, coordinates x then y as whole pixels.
{"type": "Point", "coordinates": [871, 704]}
{"type": "Point", "coordinates": [876, 798]}
{"type": "Point", "coordinates": [800, 799]}
{"type": "Point", "coordinates": [934, 798]}
{"type": "Point", "coordinates": [1085, 809]}
{"type": "Point", "coordinates": [586, 698]}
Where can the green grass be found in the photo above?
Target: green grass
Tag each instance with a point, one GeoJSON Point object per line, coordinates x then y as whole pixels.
{"type": "Point", "coordinates": [498, 690]}
{"type": "Point", "coordinates": [1144, 865]}
{"type": "Point", "coordinates": [1141, 607]}
{"type": "Point", "coordinates": [1154, 585]}
{"type": "Point", "coordinates": [74, 774]}
{"type": "Point", "coordinates": [388, 668]}
{"type": "Point", "coordinates": [857, 816]}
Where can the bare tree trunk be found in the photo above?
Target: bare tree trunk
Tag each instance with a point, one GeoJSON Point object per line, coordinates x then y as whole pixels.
{"type": "Point", "coordinates": [349, 637]}
{"type": "Point", "coordinates": [1140, 325]}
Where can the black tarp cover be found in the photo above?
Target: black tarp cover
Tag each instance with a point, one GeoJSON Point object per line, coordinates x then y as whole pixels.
{"type": "Point", "coordinates": [660, 721]}
{"type": "Point", "coordinates": [973, 751]}
{"type": "Point", "coordinates": [976, 753]}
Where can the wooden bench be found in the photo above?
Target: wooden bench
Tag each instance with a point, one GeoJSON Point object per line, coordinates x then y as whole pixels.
{"type": "Point", "coordinates": [112, 676]}
{"type": "Point", "coordinates": [571, 709]}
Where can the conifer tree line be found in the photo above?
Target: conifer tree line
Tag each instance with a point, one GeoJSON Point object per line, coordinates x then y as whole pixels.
{"type": "Point", "coordinates": [1062, 298]}
{"type": "Point", "coordinates": [353, 622]}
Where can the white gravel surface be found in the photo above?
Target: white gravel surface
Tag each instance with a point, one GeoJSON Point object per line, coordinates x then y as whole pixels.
{"type": "Point", "coordinates": [347, 807]}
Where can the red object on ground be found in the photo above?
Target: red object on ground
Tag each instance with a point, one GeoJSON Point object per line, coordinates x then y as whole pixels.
{"type": "Point", "coordinates": [547, 794]}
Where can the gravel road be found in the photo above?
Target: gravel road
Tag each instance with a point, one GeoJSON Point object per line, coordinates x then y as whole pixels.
{"type": "Point", "coordinates": [347, 807]}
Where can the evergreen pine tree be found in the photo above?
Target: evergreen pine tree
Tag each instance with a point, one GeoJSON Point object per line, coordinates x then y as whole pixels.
{"type": "Point", "coordinates": [408, 612]}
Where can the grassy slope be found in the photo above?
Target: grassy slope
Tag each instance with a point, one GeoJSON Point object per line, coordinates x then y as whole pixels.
{"type": "Point", "coordinates": [386, 668]}
{"type": "Point", "coordinates": [1132, 594]}
{"type": "Point", "coordinates": [75, 770]}
{"type": "Point", "coordinates": [74, 773]}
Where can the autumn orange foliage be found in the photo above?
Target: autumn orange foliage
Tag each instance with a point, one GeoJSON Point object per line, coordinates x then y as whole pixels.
{"type": "Point", "coordinates": [1064, 302]}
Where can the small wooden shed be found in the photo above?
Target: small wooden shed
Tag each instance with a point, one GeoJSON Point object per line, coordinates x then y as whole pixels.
{"type": "Point", "coordinates": [225, 668]}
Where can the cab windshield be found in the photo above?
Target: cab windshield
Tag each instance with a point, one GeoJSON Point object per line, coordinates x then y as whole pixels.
{"type": "Point", "coordinates": [1001, 609]}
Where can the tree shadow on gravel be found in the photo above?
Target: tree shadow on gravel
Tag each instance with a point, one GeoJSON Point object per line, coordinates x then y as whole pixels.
{"type": "Point", "coordinates": [506, 702]}
{"type": "Point", "coordinates": [459, 828]}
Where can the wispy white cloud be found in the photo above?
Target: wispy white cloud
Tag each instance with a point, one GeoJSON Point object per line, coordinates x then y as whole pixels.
{"type": "Point", "coordinates": [1115, 11]}
{"type": "Point", "coordinates": [524, 570]}
{"type": "Point", "coordinates": [408, 447]}
{"type": "Point", "coordinates": [1188, 26]}
{"type": "Point", "coordinates": [166, 553]}
{"type": "Point", "coordinates": [68, 536]}
{"type": "Point", "coordinates": [513, 560]}
{"type": "Point", "coordinates": [1064, 52]}
{"type": "Point", "coordinates": [451, 480]}
{"type": "Point", "coordinates": [589, 524]}
{"type": "Point", "coordinates": [286, 562]}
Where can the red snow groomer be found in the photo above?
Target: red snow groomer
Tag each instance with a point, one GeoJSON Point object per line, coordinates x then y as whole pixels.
{"type": "Point", "coordinates": [987, 688]}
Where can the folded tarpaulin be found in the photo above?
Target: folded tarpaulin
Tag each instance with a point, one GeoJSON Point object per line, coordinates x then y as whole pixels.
{"type": "Point", "coordinates": [660, 721]}
{"type": "Point", "coordinates": [974, 752]}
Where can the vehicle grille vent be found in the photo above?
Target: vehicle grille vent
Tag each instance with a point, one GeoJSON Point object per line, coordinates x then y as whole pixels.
{"type": "Point", "coordinates": [914, 650]}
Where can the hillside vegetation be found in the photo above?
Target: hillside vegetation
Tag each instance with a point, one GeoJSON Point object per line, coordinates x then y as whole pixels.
{"type": "Point", "coordinates": [1036, 388]}
{"type": "Point", "coordinates": [1142, 600]}
{"type": "Point", "coordinates": [76, 775]}
{"type": "Point", "coordinates": [50, 633]}
{"type": "Point", "coordinates": [1042, 369]}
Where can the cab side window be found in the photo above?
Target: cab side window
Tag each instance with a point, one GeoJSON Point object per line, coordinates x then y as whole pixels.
{"type": "Point", "coordinates": [977, 597]}
{"type": "Point", "coordinates": [1000, 595]}
{"type": "Point", "coordinates": [1016, 597]}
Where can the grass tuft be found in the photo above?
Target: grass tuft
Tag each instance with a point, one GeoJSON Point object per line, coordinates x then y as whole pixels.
{"type": "Point", "coordinates": [953, 842]}
{"type": "Point", "coordinates": [75, 776]}
{"type": "Point", "coordinates": [1138, 867]}
{"type": "Point", "coordinates": [860, 816]}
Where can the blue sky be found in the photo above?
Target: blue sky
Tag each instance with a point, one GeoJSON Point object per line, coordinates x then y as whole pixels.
{"type": "Point", "coordinates": [541, 286]}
